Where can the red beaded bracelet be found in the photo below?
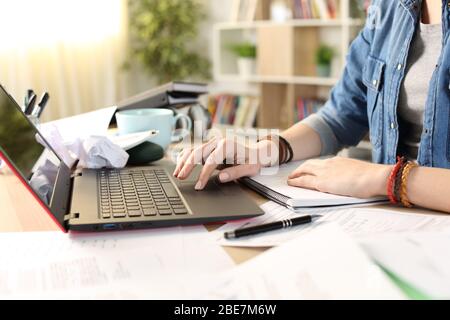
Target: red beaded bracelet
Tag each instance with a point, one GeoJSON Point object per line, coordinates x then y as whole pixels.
{"type": "Point", "coordinates": [392, 177]}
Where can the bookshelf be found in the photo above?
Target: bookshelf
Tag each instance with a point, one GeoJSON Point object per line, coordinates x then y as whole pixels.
{"type": "Point", "coordinates": [285, 70]}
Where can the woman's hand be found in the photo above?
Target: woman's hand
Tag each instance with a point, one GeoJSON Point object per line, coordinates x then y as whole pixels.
{"type": "Point", "coordinates": [342, 176]}
{"type": "Point", "coordinates": [246, 160]}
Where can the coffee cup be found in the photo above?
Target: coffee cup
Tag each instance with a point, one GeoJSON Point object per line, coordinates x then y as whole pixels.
{"type": "Point", "coordinates": [162, 120]}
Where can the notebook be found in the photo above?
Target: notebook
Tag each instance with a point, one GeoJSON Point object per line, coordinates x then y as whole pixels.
{"type": "Point", "coordinates": [272, 184]}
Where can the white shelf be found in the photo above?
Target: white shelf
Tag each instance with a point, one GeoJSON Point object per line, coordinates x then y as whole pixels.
{"type": "Point", "coordinates": [291, 23]}
{"type": "Point", "coordinates": [315, 81]}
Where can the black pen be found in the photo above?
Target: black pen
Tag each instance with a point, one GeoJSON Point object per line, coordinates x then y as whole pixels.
{"type": "Point", "coordinates": [28, 96]}
{"type": "Point", "coordinates": [30, 106]}
{"type": "Point", "coordinates": [288, 223]}
{"type": "Point", "coordinates": [41, 105]}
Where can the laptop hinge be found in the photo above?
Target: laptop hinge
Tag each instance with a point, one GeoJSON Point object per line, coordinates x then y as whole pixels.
{"type": "Point", "coordinates": [71, 216]}
{"type": "Point", "coordinates": [76, 174]}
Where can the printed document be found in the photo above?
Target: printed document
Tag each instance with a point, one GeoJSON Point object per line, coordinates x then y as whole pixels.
{"type": "Point", "coordinates": [324, 264]}
{"type": "Point", "coordinates": [150, 264]}
{"type": "Point", "coordinates": [355, 221]}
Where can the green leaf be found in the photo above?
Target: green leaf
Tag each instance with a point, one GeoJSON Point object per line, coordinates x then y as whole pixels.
{"type": "Point", "coordinates": [161, 36]}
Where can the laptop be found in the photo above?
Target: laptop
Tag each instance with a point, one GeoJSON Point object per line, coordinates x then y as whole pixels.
{"type": "Point", "coordinates": [112, 199]}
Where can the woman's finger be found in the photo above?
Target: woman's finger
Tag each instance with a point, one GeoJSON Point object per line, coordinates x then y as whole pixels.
{"type": "Point", "coordinates": [181, 159]}
{"type": "Point", "coordinates": [234, 173]}
{"type": "Point", "coordinates": [214, 160]}
{"type": "Point", "coordinates": [310, 167]}
{"type": "Point", "coordinates": [196, 157]}
{"type": "Point", "coordinates": [304, 181]}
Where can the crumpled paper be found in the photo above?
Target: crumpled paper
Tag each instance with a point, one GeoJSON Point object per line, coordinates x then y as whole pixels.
{"type": "Point", "coordinates": [43, 180]}
{"type": "Point", "coordinates": [94, 152]}
{"type": "Point", "coordinates": [100, 152]}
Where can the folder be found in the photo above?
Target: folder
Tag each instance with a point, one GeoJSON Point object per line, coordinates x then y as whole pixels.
{"type": "Point", "coordinates": [169, 95]}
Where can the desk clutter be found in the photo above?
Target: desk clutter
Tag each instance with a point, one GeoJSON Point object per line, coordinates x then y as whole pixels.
{"type": "Point", "coordinates": [351, 250]}
{"type": "Point", "coordinates": [358, 253]}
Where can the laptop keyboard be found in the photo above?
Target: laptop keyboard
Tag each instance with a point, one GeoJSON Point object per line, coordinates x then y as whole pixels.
{"type": "Point", "coordinates": [138, 193]}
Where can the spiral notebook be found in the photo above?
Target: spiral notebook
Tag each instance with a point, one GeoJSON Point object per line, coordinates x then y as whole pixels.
{"type": "Point", "coordinates": [272, 184]}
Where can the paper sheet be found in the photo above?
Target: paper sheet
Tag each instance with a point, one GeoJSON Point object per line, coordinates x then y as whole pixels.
{"type": "Point", "coordinates": [355, 221]}
{"type": "Point", "coordinates": [93, 123]}
{"type": "Point", "coordinates": [324, 264]}
{"type": "Point", "coordinates": [420, 259]}
{"type": "Point", "coordinates": [276, 179]}
{"type": "Point", "coordinates": [138, 264]}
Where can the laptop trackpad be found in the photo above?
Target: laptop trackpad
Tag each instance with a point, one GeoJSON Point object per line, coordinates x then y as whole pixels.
{"type": "Point", "coordinates": [213, 187]}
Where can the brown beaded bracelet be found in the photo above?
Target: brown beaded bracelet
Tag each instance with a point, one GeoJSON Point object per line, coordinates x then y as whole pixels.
{"type": "Point", "coordinates": [285, 150]}
{"type": "Point", "coordinates": [404, 180]}
{"type": "Point", "coordinates": [289, 149]}
{"type": "Point", "coordinates": [398, 181]}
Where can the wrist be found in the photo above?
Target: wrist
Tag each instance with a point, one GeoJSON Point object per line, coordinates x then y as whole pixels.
{"type": "Point", "coordinates": [274, 143]}
{"type": "Point", "coordinates": [267, 153]}
{"type": "Point", "coordinates": [381, 179]}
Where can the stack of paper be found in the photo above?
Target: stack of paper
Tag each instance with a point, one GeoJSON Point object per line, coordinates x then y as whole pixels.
{"type": "Point", "coordinates": [125, 265]}
{"type": "Point", "coordinates": [324, 264]}
{"type": "Point", "coordinates": [94, 123]}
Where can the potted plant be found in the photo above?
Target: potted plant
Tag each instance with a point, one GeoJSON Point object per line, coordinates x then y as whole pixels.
{"type": "Point", "coordinates": [246, 53]}
{"type": "Point", "coordinates": [324, 57]}
{"type": "Point", "coordinates": [162, 34]}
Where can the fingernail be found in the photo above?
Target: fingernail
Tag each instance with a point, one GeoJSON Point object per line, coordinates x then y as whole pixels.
{"type": "Point", "coordinates": [224, 177]}
{"type": "Point", "coordinates": [199, 185]}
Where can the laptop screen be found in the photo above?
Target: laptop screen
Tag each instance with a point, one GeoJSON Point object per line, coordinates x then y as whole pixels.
{"type": "Point", "coordinates": [19, 141]}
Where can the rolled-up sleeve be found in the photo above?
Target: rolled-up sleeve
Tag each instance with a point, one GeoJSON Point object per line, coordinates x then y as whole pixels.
{"type": "Point", "coordinates": [330, 145]}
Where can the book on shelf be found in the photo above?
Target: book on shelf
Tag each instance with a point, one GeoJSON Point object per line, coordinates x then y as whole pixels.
{"type": "Point", "coordinates": [239, 111]}
{"type": "Point", "coordinates": [306, 107]}
{"type": "Point", "coordinates": [315, 9]}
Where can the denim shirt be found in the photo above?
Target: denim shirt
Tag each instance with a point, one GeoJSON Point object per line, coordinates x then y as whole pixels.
{"type": "Point", "coordinates": [367, 95]}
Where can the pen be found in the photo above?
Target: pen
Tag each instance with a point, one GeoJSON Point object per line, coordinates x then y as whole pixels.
{"type": "Point", "coordinates": [27, 99]}
{"type": "Point", "coordinates": [30, 106]}
{"type": "Point", "coordinates": [288, 223]}
{"type": "Point", "coordinates": [41, 105]}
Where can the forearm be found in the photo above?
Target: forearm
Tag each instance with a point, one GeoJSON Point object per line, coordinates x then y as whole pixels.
{"type": "Point", "coordinates": [305, 141]}
{"type": "Point", "coordinates": [430, 188]}
{"type": "Point", "coordinates": [426, 187]}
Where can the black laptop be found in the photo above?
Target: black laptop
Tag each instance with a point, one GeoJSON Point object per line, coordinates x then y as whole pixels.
{"type": "Point", "coordinates": [114, 199]}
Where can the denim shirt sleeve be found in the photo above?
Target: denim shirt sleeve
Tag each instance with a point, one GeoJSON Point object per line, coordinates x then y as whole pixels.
{"type": "Point", "coordinates": [330, 145]}
{"type": "Point", "coordinates": [343, 120]}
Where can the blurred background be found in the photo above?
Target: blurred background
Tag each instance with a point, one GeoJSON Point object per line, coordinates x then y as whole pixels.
{"type": "Point", "coordinates": [275, 60]}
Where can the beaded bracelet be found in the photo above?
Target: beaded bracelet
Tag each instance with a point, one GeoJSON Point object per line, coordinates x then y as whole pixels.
{"type": "Point", "coordinates": [398, 181]}
{"type": "Point", "coordinates": [286, 153]}
{"type": "Point", "coordinates": [289, 149]}
{"type": "Point", "coordinates": [392, 178]}
{"type": "Point", "coordinates": [403, 190]}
